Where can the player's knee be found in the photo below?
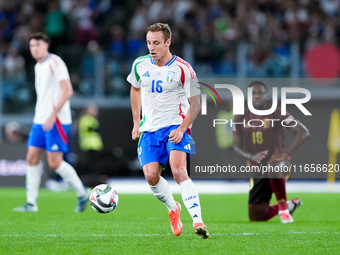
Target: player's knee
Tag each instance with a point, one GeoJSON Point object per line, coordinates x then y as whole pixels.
{"type": "Point", "coordinates": [151, 177]}
{"type": "Point", "coordinates": [152, 171]}
{"type": "Point", "coordinates": [279, 166]}
{"type": "Point", "coordinates": [32, 159]}
{"type": "Point", "coordinates": [257, 212]}
{"type": "Point", "coordinates": [256, 217]}
{"type": "Point", "coordinates": [274, 175]}
{"type": "Point", "coordinates": [179, 174]}
{"type": "Point", "coordinates": [152, 180]}
{"type": "Point", "coordinates": [54, 163]}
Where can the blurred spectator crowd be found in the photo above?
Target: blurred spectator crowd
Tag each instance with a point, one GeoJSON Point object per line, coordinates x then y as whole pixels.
{"type": "Point", "coordinates": [207, 33]}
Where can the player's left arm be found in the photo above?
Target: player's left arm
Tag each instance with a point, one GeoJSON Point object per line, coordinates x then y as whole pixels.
{"type": "Point", "coordinates": [67, 93]}
{"type": "Point", "coordinates": [176, 135]}
{"type": "Point", "coordinates": [301, 134]}
{"type": "Point", "coordinates": [192, 92]}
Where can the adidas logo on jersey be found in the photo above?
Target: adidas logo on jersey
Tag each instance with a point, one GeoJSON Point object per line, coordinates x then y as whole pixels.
{"type": "Point", "coordinates": [54, 147]}
{"type": "Point", "coordinates": [187, 147]}
{"type": "Point", "coordinates": [146, 74]}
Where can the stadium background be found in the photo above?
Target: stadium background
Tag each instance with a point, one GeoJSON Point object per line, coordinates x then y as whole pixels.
{"type": "Point", "coordinates": [99, 40]}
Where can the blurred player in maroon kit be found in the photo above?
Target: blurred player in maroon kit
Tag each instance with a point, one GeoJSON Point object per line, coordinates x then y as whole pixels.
{"type": "Point", "coordinates": [263, 145]}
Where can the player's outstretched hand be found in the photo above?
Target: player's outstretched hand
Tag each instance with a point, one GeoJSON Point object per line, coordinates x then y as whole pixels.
{"type": "Point", "coordinates": [257, 158]}
{"type": "Point", "coordinates": [176, 135]}
{"type": "Point", "coordinates": [135, 133]}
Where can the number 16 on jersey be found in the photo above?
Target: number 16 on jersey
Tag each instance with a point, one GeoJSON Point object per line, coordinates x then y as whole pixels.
{"type": "Point", "coordinates": [159, 88]}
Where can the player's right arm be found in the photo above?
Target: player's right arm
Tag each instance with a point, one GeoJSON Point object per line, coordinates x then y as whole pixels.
{"type": "Point", "coordinates": [135, 96]}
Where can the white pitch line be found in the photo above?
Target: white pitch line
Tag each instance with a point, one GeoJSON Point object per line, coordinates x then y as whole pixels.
{"type": "Point", "coordinates": [168, 234]}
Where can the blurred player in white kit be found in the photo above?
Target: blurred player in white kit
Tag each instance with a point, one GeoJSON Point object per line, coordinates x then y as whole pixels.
{"type": "Point", "coordinates": [51, 124]}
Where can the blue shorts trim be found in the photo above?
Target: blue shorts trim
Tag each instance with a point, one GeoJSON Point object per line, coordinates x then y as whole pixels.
{"type": "Point", "coordinates": [156, 147]}
{"type": "Point", "coordinates": [52, 140]}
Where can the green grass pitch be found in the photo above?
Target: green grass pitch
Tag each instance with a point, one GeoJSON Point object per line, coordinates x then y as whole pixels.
{"type": "Point", "coordinates": [140, 225]}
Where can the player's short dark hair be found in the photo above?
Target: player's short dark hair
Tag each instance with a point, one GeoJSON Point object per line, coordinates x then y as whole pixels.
{"type": "Point", "coordinates": [165, 28]}
{"type": "Point", "coordinates": [258, 83]}
{"type": "Point", "coordinates": [40, 36]}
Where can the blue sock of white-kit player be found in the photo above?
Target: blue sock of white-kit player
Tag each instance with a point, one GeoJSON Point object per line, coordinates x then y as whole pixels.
{"type": "Point", "coordinates": [70, 176]}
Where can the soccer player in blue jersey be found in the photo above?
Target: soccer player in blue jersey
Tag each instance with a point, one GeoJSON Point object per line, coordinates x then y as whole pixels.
{"type": "Point", "coordinates": [164, 87]}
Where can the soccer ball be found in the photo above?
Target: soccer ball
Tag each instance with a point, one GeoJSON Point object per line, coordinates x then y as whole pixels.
{"type": "Point", "coordinates": [103, 198]}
